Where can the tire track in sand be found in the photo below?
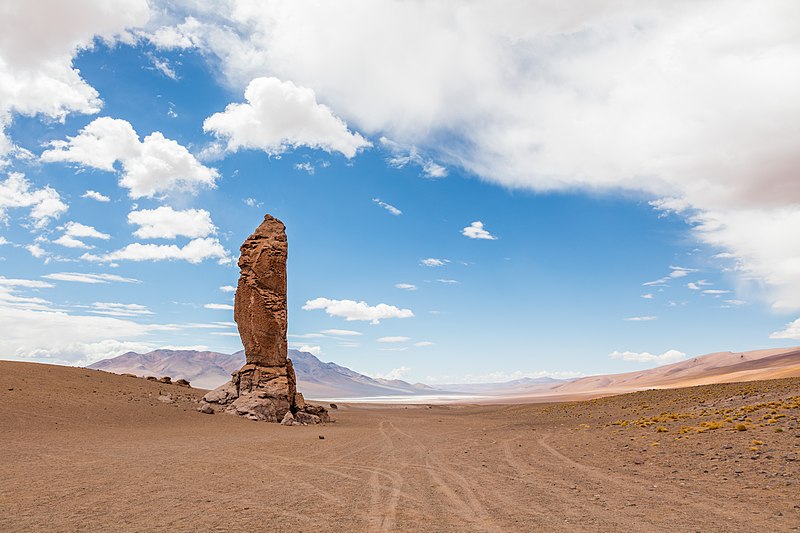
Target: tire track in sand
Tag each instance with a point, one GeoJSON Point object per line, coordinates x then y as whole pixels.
{"type": "Point", "coordinates": [382, 517]}
{"type": "Point", "coordinates": [468, 506]}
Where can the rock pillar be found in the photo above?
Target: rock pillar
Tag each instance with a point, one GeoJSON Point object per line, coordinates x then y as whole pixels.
{"type": "Point", "coordinates": [265, 387]}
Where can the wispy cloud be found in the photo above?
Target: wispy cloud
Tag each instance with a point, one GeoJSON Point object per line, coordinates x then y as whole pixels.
{"type": "Point", "coordinates": [394, 339]}
{"type": "Point", "coordinates": [646, 318]}
{"type": "Point", "coordinates": [677, 272]}
{"type": "Point", "coordinates": [219, 307]}
{"type": "Point", "coordinates": [403, 156]}
{"type": "Point", "coordinates": [79, 277]}
{"type": "Point", "coordinates": [306, 167]}
{"type": "Point", "coordinates": [27, 283]}
{"type": "Point", "coordinates": [735, 303]}
{"type": "Point", "coordinates": [389, 207]}
{"type": "Point", "coordinates": [119, 309]}
{"type": "Point", "coordinates": [434, 262]}
{"type": "Point", "coordinates": [341, 332]}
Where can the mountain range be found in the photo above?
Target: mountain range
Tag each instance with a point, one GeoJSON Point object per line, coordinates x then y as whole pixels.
{"type": "Point", "coordinates": [317, 379]}
{"type": "Point", "coordinates": [208, 370]}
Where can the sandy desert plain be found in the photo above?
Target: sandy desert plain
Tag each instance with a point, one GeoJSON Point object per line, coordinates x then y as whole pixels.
{"type": "Point", "coordinates": [85, 450]}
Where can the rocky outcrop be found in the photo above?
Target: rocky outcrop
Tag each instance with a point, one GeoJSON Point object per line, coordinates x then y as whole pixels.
{"type": "Point", "coordinates": [265, 387]}
{"type": "Point", "coordinates": [260, 306]}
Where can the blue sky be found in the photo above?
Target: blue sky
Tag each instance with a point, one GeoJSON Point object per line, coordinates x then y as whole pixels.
{"type": "Point", "coordinates": [543, 237]}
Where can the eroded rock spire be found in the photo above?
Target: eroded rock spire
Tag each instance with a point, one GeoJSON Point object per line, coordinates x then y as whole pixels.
{"type": "Point", "coordinates": [265, 387]}
{"type": "Point", "coordinates": [260, 308]}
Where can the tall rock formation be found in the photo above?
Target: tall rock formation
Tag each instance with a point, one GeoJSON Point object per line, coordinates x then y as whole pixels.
{"type": "Point", "coordinates": [260, 309]}
{"type": "Point", "coordinates": [265, 387]}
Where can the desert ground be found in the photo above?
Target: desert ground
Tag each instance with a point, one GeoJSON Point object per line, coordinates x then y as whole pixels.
{"type": "Point", "coordinates": [85, 450]}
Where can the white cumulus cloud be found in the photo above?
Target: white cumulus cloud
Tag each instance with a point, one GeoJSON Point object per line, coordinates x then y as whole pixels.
{"type": "Point", "coordinates": [476, 231]}
{"type": "Point", "coordinates": [552, 81]}
{"type": "Point", "coordinates": [38, 40]}
{"type": "Point", "coordinates": [791, 331]}
{"type": "Point", "coordinates": [74, 231]}
{"type": "Point", "coordinates": [195, 251]}
{"type": "Point", "coordinates": [71, 339]}
{"type": "Point", "coordinates": [280, 115]}
{"type": "Point", "coordinates": [94, 195]}
{"type": "Point", "coordinates": [166, 223]}
{"type": "Point", "coordinates": [352, 310]}
{"type": "Point", "coordinates": [316, 351]}
{"type": "Point", "coordinates": [44, 204]}
{"type": "Point", "coordinates": [670, 356]}
{"type": "Point", "coordinates": [150, 167]}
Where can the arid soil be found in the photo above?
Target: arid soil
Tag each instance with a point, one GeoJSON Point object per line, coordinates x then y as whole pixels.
{"type": "Point", "coordinates": [85, 450]}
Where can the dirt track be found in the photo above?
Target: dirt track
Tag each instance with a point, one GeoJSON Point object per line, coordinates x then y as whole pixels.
{"type": "Point", "coordinates": [84, 450]}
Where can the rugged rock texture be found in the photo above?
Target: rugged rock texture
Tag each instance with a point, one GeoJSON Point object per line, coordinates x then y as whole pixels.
{"type": "Point", "coordinates": [265, 388]}
{"type": "Point", "coordinates": [260, 307]}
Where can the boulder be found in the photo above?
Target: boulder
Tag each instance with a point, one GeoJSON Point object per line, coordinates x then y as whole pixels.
{"type": "Point", "coordinates": [306, 418]}
{"type": "Point", "coordinates": [251, 406]}
{"type": "Point", "coordinates": [299, 401]}
{"type": "Point", "coordinates": [223, 394]}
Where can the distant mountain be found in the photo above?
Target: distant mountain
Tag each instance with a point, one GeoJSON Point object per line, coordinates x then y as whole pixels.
{"type": "Point", "coordinates": [208, 370]}
{"type": "Point", "coordinates": [720, 367]}
{"type": "Point", "coordinates": [505, 388]}
{"type": "Point", "coordinates": [317, 379]}
{"type": "Point", "coordinates": [205, 370]}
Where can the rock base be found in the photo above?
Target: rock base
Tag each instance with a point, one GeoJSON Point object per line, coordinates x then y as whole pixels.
{"type": "Point", "coordinates": [265, 393]}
